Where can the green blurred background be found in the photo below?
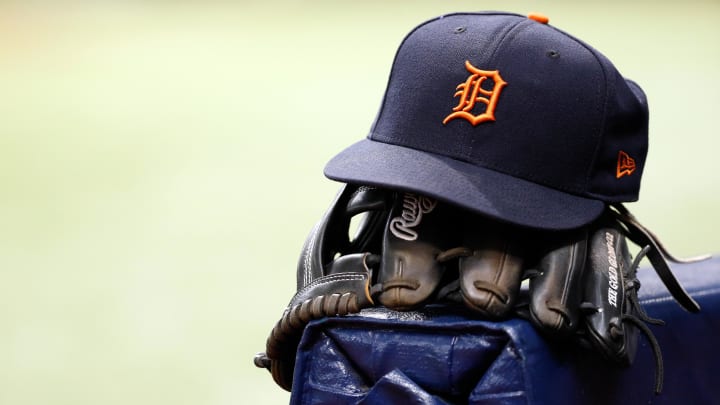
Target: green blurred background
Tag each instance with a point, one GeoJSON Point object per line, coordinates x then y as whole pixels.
{"type": "Point", "coordinates": [161, 163]}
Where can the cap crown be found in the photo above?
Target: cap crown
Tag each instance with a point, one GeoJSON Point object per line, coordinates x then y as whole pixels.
{"type": "Point", "coordinates": [506, 93]}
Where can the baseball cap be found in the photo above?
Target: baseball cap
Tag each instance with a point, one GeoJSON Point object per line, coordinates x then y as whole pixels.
{"type": "Point", "coordinates": [507, 116]}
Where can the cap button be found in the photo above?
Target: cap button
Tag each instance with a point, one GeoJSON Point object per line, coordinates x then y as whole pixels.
{"type": "Point", "coordinates": [541, 18]}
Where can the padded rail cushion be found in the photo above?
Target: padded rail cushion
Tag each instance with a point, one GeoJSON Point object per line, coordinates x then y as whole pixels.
{"type": "Point", "coordinates": [444, 355]}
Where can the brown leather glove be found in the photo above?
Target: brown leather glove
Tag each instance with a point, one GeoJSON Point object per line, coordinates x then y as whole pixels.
{"type": "Point", "coordinates": [411, 250]}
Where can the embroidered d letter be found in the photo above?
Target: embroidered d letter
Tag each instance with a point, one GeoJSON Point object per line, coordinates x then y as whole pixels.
{"type": "Point", "coordinates": [471, 93]}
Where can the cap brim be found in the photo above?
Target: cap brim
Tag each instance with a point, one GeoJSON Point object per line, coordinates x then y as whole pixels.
{"type": "Point", "coordinates": [482, 190]}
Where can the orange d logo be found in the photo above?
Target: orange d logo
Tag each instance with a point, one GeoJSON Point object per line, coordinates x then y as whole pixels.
{"type": "Point", "coordinates": [471, 93]}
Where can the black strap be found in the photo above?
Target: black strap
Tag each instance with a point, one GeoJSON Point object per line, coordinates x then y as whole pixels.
{"type": "Point", "coordinates": [657, 256]}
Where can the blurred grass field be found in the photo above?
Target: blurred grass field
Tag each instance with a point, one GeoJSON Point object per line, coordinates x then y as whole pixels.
{"type": "Point", "coordinates": [161, 163]}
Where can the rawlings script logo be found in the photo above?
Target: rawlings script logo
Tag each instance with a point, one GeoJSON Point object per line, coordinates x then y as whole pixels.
{"type": "Point", "coordinates": [612, 270]}
{"type": "Point", "coordinates": [471, 93]}
{"type": "Point", "coordinates": [414, 207]}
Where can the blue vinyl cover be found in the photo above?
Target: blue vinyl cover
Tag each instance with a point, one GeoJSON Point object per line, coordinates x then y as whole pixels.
{"type": "Point", "coordinates": [445, 355]}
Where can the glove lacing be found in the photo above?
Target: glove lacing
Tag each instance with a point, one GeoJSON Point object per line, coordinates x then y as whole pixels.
{"type": "Point", "coordinates": [638, 317]}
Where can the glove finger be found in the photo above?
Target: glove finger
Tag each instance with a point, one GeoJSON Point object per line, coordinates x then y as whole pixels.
{"type": "Point", "coordinates": [414, 235]}
{"type": "Point", "coordinates": [490, 277]}
{"type": "Point", "coordinates": [555, 293]}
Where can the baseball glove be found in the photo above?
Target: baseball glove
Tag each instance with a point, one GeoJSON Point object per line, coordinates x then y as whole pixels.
{"type": "Point", "coordinates": [410, 250]}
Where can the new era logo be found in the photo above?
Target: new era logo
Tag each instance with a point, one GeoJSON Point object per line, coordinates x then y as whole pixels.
{"type": "Point", "coordinates": [474, 97]}
{"type": "Point", "coordinates": [625, 165]}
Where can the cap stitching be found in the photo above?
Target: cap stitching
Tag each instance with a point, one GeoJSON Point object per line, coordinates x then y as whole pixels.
{"type": "Point", "coordinates": [585, 189]}
{"type": "Point", "coordinates": [579, 189]}
{"type": "Point", "coordinates": [602, 110]}
{"type": "Point", "coordinates": [504, 37]}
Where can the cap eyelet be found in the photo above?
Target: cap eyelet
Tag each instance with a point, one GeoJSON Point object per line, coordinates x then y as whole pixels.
{"type": "Point", "coordinates": [553, 54]}
{"type": "Point", "coordinates": [460, 30]}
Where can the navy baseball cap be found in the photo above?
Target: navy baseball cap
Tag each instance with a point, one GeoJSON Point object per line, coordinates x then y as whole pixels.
{"type": "Point", "coordinates": [506, 116]}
